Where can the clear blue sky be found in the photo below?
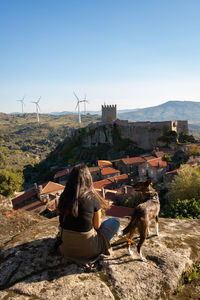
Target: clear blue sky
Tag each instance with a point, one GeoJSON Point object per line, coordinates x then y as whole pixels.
{"type": "Point", "coordinates": [129, 52]}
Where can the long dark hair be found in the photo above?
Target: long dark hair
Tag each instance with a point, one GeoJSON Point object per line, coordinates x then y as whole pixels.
{"type": "Point", "coordinates": [78, 187]}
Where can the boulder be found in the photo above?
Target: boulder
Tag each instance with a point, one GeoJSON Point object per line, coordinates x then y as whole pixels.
{"type": "Point", "coordinates": [32, 269]}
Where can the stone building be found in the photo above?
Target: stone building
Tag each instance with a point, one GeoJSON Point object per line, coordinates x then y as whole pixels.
{"type": "Point", "coordinates": [129, 165]}
{"type": "Point", "coordinates": [154, 169]}
{"type": "Point", "coordinates": [109, 113]}
{"type": "Point", "coordinates": [39, 197]}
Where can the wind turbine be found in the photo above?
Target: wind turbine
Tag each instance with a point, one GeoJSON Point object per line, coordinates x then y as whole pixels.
{"type": "Point", "coordinates": [78, 105]}
{"type": "Point", "coordinates": [22, 103]}
{"type": "Point", "coordinates": [85, 101]}
{"type": "Point", "coordinates": [37, 109]}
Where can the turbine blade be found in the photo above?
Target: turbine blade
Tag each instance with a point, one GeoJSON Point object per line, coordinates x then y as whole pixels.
{"type": "Point", "coordinates": [76, 96]}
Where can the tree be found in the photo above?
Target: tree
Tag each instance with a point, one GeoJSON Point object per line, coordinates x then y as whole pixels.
{"type": "Point", "coordinates": [184, 194]}
{"type": "Point", "coordinates": [10, 182]}
{"type": "Point", "coordinates": [186, 185]}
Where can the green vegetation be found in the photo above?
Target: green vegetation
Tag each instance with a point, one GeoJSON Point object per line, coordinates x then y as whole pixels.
{"type": "Point", "coordinates": [194, 150]}
{"type": "Point", "coordinates": [184, 194]}
{"type": "Point", "coordinates": [186, 138]}
{"type": "Point", "coordinates": [10, 182]}
{"type": "Point", "coordinates": [188, 283]}
{"type": "Point", "coordinates": [24, 143]}
{"type": "Point", "coordinates": [184, 209]}
{"type": "Point", "coordinates": [167, 158]}
{"type": "Point", "coordinates": [74, 149]}
{"type": "Point", "coordinates": [186, 185]}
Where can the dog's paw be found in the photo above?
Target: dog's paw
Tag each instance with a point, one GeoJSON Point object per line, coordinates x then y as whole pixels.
{"type": "Point", "coordinates": [143, 259]}
{"type": "Point", "coordinates": [130, 252]}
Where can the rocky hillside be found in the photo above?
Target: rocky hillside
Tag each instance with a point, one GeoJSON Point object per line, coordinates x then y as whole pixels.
{"type": "Point", "coordinates": [30, 268]}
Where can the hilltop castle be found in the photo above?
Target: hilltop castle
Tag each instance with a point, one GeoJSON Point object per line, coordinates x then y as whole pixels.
{"type": "Point", "coordinates": [144, 134]}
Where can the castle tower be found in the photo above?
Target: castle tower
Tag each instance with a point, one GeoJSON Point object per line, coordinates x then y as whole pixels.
{"type": "Point", "coordinates": [108, 113]}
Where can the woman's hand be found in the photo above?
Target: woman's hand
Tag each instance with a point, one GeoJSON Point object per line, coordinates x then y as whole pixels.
{"type": "Point", "coordinates": [97, 219]}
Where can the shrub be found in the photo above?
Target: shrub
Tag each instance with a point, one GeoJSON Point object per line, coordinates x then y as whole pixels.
{"type": "Point", "coordinates": [183, 209]}
{"type": "Point", "coordinates": [10, 182]}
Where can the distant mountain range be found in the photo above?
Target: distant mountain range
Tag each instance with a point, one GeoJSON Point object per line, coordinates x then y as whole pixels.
{"type": "Point", "coordinates": [91, 112]}
{"type": "Point", "coordinates": [171, 110]}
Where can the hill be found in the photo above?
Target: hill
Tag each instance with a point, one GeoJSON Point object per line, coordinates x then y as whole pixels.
{"type": "Point", "coordinates": [171, 110]}
{"type": "Point", "coordinates": [25, 142]}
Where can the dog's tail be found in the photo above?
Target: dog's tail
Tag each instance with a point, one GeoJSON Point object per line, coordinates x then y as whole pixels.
{"type": "Point", "coordinates": [130, 225]}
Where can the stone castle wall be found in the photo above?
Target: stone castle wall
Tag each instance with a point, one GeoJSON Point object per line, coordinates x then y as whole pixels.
{"type": "Point", "coordinates": [144, 134]}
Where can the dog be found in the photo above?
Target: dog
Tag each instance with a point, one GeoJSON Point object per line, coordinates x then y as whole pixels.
{"type": "Point", "coordinates": [140, 219]}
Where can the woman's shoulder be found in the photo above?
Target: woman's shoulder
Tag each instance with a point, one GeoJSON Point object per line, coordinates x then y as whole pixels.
{"type": "Point", "coordinates": [92, 202]}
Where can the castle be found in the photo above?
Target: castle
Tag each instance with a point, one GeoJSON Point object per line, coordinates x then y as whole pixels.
{"type": "Point", "coordinates": [144, 134]}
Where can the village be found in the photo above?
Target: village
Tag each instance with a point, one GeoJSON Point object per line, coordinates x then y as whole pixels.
{"type": "Point", "coordinates": [120, 181]}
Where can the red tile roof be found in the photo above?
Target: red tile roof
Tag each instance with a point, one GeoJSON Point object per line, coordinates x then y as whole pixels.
{"type": "Point", "coordinates": [47, 187]}
{"type": "Point", "coordinates": [108, 171]}
{"type": "Point", "coordinates": [133, 160]}
{"type": "Point", "coordinates": [23, 197]}
{"type": "Point", "coordinates": [158, 163]}
{"type": "Point", "coordinates": [50, 187]}
{"type": "Point", "coordinates": [62, 173]}
{"type": "Point", "coordinates": [104, 163]}
{"type": "Point", "coordinates": [101, 183]}
{"type": "Point", "coordinates": [149, 157]}
{"type": "Point", "coordinates": [110, 181]}
{"type": "Point", "coordinates": [119, 211]}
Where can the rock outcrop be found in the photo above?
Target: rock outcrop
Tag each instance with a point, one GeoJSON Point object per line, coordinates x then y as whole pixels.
{"type": "Point", "coordinates": [31, 269]}
{"type": "Point", "coordinates": [5, 203]}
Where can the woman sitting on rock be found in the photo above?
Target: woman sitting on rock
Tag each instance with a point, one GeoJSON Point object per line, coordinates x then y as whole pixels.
{"type": "Point", "coordinates": [82, 234]}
